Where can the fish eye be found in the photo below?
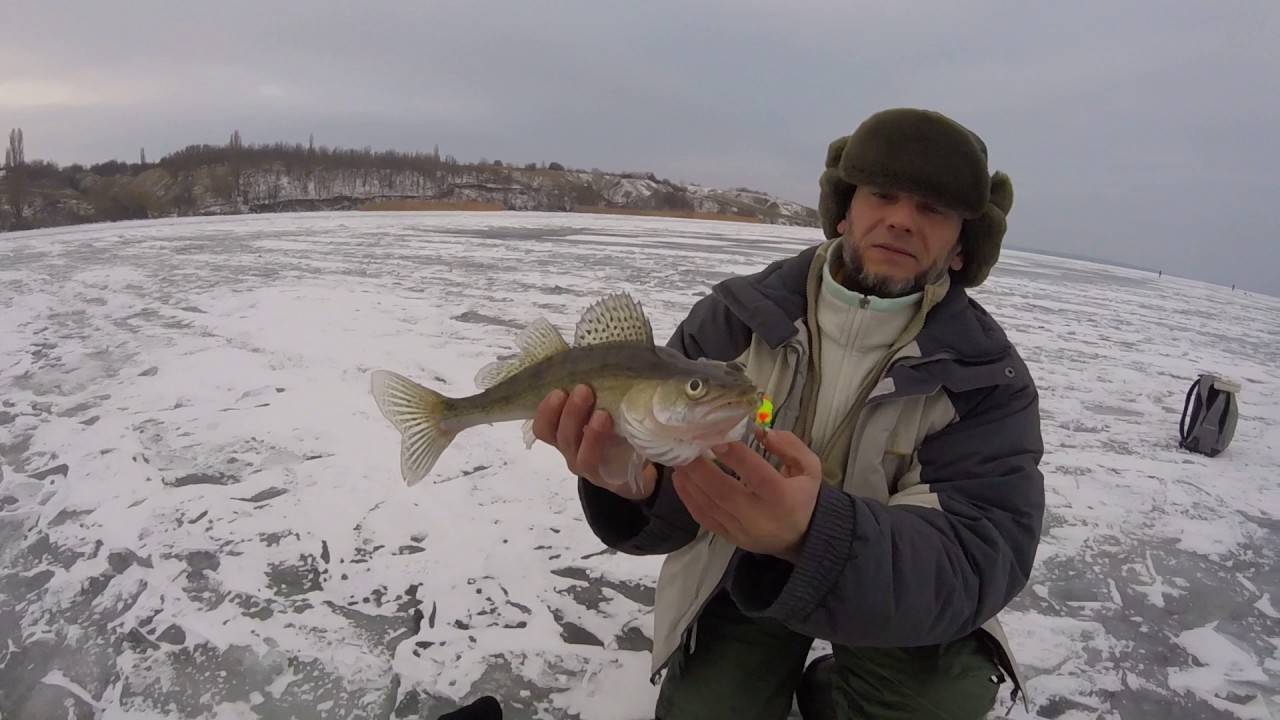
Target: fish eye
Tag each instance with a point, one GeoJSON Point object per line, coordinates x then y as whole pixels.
{"type": "Point", "coordinates": [695, 388]}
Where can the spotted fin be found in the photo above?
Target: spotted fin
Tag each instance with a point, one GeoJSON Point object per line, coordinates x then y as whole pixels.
{"type": "Point", "coordinates": [416, 412]}
{"type": "Point", "coordinates": [615, 319]}
{"type": "Point", "coordinates": [537, 342]}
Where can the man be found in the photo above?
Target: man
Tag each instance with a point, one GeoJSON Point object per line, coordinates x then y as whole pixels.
{"type": "Point", "coordinates": [896, 506]}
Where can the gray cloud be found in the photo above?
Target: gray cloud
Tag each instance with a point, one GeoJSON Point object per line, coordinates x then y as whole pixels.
{"type": "Point", "coordinates": [1139, 133]}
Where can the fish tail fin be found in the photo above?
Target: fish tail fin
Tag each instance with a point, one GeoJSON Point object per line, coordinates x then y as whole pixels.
{"type": "Point", "coordinates": [417, 412]}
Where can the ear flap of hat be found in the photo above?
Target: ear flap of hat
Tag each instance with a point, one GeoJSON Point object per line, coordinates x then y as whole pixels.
{"type": "Point", "coordinates": [835, 151]}
{"type": "Point", "coordinates": [835, 193]}
{"type": "Point", "coordinates": [1001, 192]}
{"type": "Point", "coordinates": [982, 236]}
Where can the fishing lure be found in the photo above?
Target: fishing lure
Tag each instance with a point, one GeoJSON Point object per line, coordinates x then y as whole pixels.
{"type": "Point", "coordinates": [764, 413]}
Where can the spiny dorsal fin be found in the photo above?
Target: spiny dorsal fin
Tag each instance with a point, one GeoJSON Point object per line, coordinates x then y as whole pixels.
{"type": "Point", "coordinates": [537, 342]}
{"type": "Point", "coordinates": [615, 319]}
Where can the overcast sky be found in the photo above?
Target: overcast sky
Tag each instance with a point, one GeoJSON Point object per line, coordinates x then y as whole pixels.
{"type": "Point", "coordinates": [1139, 132]}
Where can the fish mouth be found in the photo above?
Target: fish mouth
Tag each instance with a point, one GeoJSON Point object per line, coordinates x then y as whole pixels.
{"type": "Point", "coordinates": [732, 408]}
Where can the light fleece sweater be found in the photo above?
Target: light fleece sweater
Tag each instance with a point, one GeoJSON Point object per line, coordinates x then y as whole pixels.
{"type": "Point", "coordinates": [856, 332]}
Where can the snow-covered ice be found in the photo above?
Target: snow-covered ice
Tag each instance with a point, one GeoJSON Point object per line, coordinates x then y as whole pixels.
{"type": "Point", "coordinates": [201, 513]}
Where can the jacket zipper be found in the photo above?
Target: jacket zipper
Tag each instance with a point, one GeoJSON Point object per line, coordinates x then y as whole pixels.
{"type": "Point", "coordinates": [790, 348]}
{"type": "Point", "coordinates": [689, 641]}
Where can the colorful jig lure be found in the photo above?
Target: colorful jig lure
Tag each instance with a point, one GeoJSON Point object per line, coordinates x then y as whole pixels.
{"type": "Point", "coordinates": [764, 413]}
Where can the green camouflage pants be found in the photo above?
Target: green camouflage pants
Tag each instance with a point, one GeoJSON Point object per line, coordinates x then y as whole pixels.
{"type": "Point", "coordinates": [748, 669]}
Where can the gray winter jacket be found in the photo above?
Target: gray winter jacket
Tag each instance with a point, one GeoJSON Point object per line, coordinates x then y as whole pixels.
{"type": "Point", "coordinates": [933, 527]}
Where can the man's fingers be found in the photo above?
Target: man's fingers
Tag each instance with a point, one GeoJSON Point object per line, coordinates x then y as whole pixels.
{"type": "Point", "coordinates": [547, 417]}
{"type": "Point", "coordinates": [696, 505]}
{"type": "Point", "coordinates": [703, 508]}
{"type": "Point", "coordinates": [574, 416]}
{"type": "Point", "coordinates": [597, 437]}
{"type": "Point", "coordinates": [725, 499]}
{"type": "Point", "coordinates": [727, 492]}
{"type": "Point", "coordinates": [793, 452]}
{"type": "Point", "coordinates": [756, 473]}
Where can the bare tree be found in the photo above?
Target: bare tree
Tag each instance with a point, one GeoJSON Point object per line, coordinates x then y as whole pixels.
{"type": "Point", "coordinates": [184, 200]}
{"type": "Point", "coordinates": [234, 150]}
{"type": "Point", "coordinates": [17, 152]}
{"type": "Point", "coordinates": [15, 161]}
{"type": "Point", "coordinates": [273, 190]}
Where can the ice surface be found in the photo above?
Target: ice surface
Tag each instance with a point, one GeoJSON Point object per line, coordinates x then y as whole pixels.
{"type": "Point", "coordinates": [201, 513]}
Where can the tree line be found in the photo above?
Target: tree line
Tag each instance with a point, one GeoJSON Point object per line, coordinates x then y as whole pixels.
{"type": "Point", "coordinates": [324, 171]}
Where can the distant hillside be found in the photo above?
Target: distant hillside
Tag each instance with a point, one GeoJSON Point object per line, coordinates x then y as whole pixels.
{"type": "Point", "coordinates": [237, 178]}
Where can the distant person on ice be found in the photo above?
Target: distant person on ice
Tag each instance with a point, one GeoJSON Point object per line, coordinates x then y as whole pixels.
{"type": "Point", "coordinates": [905, 508]}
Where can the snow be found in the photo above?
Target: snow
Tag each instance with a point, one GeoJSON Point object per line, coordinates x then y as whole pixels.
{"type": "Point", "coordinates": [230, 535]}
{"type": "Point", "coordinates": [57, 678]}
{"type": "Point", "coordinates": [1224, 665]}
{"type": "Point", "coordinates": [1264, 604]}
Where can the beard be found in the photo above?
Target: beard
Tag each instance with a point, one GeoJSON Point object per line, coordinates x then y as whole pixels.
{"type": "Point", "coordinates": [851, 272]}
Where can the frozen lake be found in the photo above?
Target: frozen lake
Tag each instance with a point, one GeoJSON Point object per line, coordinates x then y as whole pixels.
{"type": "Point", "coordinates": [201, 511]}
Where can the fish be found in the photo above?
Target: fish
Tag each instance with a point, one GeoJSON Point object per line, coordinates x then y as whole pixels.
{"type": "Point", "coordinates": [670, 408]}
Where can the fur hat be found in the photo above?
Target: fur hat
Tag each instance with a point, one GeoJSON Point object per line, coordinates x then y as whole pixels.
{"type": "Point", "coordinates": [928, 154]}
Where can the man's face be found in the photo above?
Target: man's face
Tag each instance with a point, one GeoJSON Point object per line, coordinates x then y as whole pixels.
{"type": "Point", "coordinates": [896, 243]}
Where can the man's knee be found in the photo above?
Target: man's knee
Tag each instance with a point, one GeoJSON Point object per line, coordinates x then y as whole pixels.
{"type": "Point", "coordinates": [738, 668]}
{"type": "Point", "coordinates": [956, 680]}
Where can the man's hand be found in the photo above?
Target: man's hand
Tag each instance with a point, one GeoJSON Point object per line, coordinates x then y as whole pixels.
{"type": "Point", "coordinates": [589, 445]}
{"type": "Point", "coordinates": [763, 511]}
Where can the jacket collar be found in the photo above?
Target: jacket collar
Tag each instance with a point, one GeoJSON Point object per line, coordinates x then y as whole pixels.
{"type": "Point", "coordinates": [770, 303]}
{"type": "Point", "coordinates": [960, 328]}
{"type": "Point", "coordinates": [772, 300]}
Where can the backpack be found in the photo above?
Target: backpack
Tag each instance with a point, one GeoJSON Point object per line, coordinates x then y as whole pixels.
{"type": "Point", "coordinates": [1209, 415]}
